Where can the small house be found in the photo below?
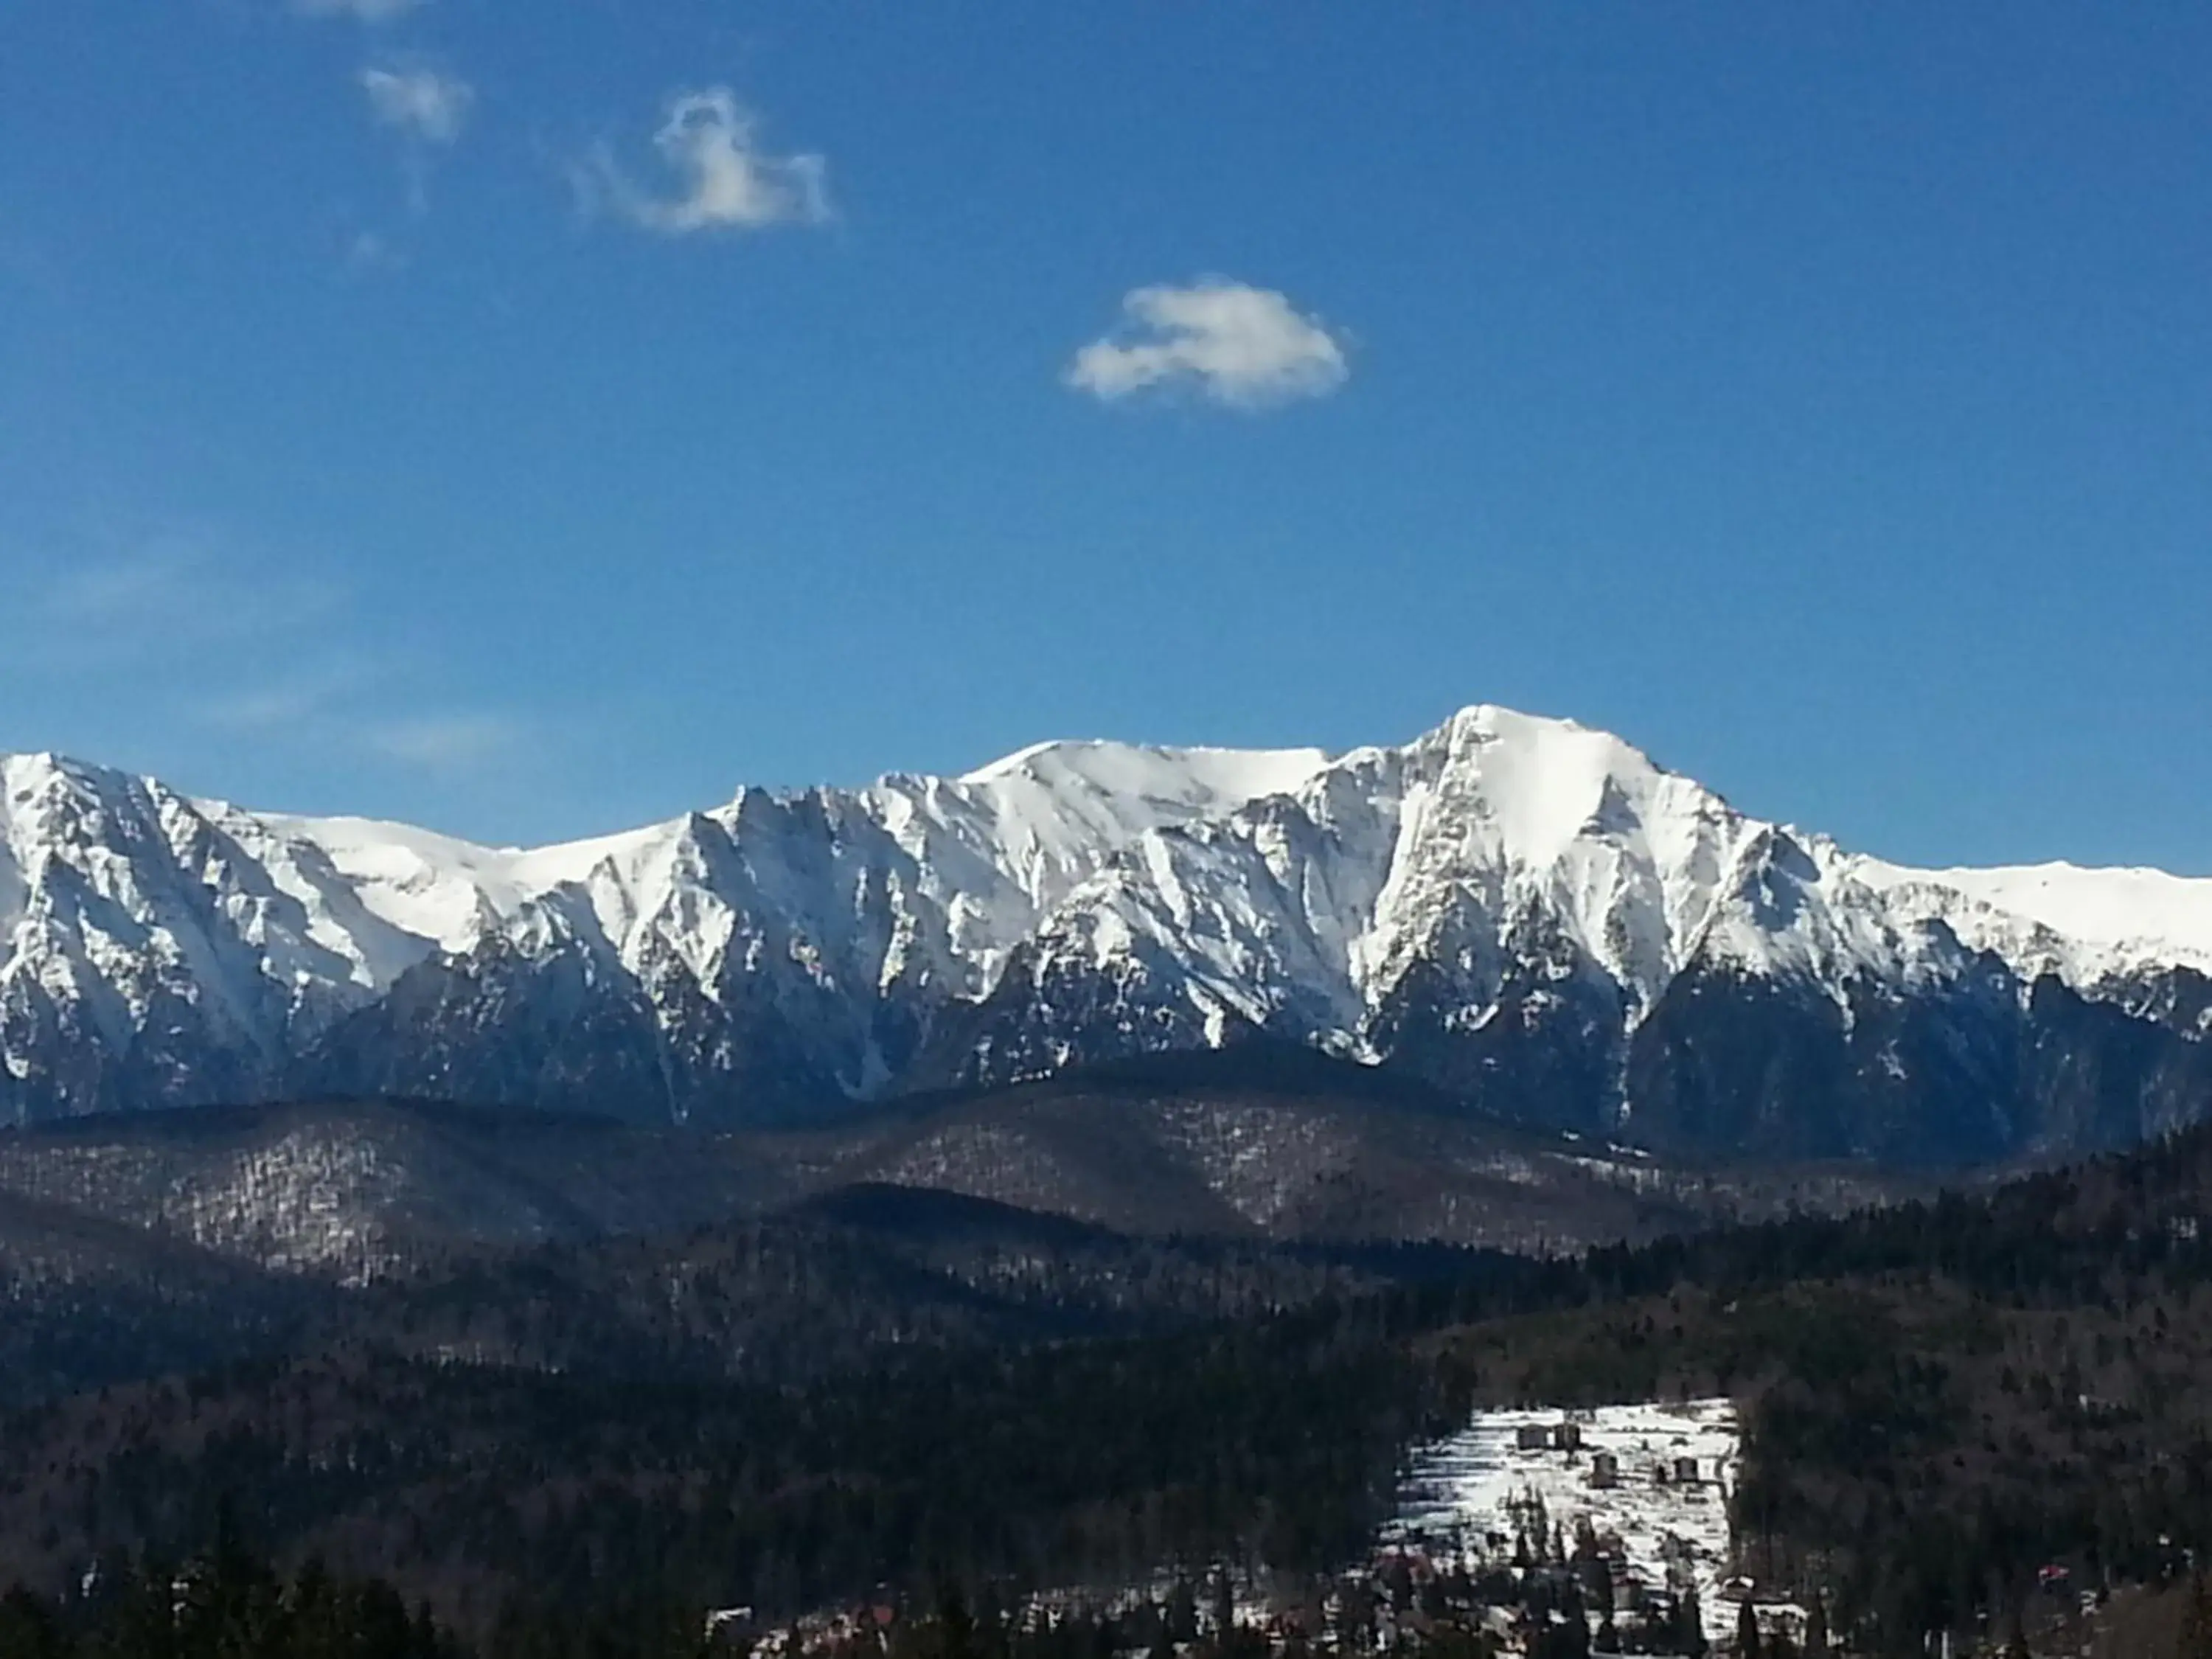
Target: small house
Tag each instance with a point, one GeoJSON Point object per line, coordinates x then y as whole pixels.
{"type": "Point", "coordinates": [1567, 1436]}
{"type": "Point", "coordinates": [1686, 1470]}
{"type": "Point", "coordinates": [1532, 1437]}
{"type": "Point", "coordinates": [1605, 1470]}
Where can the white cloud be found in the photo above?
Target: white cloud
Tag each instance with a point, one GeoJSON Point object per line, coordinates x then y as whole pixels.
{"type": "Point", "coordinates": [1243, 346]}
{"type": "Point", "coordinates": [445, 740]}
{"type": "Point", "coordinates": [365, 11]}
{"type": "Point", "coordinates": [424, 105]}
{"type": "Point", "coordinates": [729, 183]}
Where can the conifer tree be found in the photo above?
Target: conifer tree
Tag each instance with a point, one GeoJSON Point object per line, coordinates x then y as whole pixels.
{"type": "Point", "coordinates": [956, 1626]}
{"type": "Point", "coordinates": [1747, 1644]}
{"type": "Point", "coordinates": [1816, 1629]}
{"type": "Point", "coordinates": [1181, 1612]}
{"type": "Point", "coordinates": [1690, 1624]}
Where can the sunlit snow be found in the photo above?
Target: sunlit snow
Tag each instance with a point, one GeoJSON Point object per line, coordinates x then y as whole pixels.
{"type": "Point", "coordinates": [1281, 888]}
{"type": "Point", "coordinates": [1478, 1490]}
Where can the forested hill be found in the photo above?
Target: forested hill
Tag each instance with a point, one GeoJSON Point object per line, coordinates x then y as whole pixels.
{"type": "Point", "coordinates": [1943, 1398]}
{"type": "Point", "coordinates": [888, 1389]}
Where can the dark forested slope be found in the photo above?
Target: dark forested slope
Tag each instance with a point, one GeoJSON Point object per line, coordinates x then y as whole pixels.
{"type": "Point", "coordinates": [887, 1386]}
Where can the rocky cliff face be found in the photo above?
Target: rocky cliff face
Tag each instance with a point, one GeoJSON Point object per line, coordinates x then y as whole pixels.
{"type": "Point", "coordinates": [1528, 914]}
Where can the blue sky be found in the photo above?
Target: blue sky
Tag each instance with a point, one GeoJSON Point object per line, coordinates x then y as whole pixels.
{"type": "Point", "coordinates": [535, 420]}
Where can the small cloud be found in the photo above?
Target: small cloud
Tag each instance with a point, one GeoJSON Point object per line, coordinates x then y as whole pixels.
{"type": "Point", "coordinates": [439, 741]}
{"type": "Point", "coordinates": [363, 11]}
{"type": "Point", "coordinates": [729, 183]}
{"type": "Point", "coordinates": [1239, 345]}
{"type": "Point", "coordinates": [422, 105]}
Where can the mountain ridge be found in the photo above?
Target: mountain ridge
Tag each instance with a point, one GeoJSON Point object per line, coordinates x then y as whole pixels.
{"type": "Point", "coordinates": [1526, 912]}
{"type": "Point", "coordinates": [1185, 1145]}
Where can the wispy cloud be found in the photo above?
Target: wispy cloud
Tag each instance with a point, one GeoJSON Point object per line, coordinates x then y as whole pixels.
{"type": "Point", "coordinates": [1239, 345]}
{"type": "Point", "coordinates": [374, 251]}
{"type": "Point", "coordinates": [178, 595]}
{"type": "Point", "coordinates": [421, 104]}
{"type": "Point", "coordinates": [280, 698]}
{"type": "Point", "coordinates": [709, 143]}
{"type": "Point", "coordinates": [199, 629]}
{"type": "Point", "coordinates": [444, 741]}
{"type": "Point", "coordinates": [364, 11]}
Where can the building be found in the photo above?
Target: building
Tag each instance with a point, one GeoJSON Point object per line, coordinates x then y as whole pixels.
{"type": "Point", "coordinates": [1605, 1470]}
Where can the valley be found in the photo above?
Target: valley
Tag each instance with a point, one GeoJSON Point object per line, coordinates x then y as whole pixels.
{"type": "Point", "coordinates": [881, 1389]}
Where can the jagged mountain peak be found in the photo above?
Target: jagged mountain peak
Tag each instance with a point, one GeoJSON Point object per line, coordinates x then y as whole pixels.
{"type": "Point", "coordinates": [43, 795]}
{"type": "Point", "coordinates": [1548, 782]}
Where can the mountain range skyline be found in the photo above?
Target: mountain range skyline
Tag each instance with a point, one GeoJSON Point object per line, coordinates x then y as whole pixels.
{"type": "Point", "coordinates": [1527, 913]}
{"type": "Point", "coordinates": [366, 811]}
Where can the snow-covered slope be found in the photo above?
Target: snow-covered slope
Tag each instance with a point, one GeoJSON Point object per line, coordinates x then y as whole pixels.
{"type": "Point", "coordinates": [1527, 911]}
{"type": "Point", "coordinates": [2086, 926]}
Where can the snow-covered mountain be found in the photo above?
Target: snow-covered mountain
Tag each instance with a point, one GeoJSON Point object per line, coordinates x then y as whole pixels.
{"type": "Point", "coordinates": [1526, 911]}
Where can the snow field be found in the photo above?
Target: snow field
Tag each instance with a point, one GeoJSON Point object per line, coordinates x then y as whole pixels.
{"type": "Point", "coordinates": [1471, 1492]}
